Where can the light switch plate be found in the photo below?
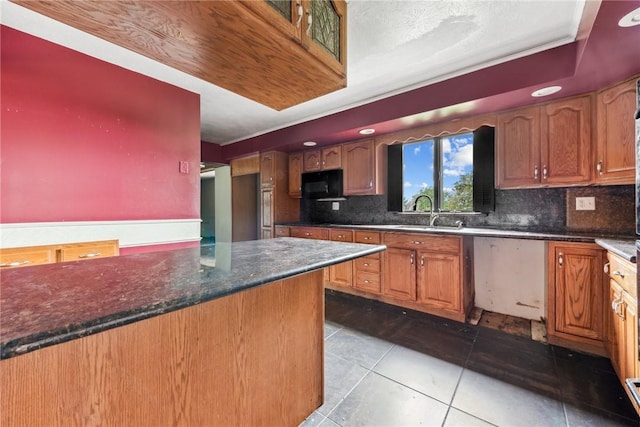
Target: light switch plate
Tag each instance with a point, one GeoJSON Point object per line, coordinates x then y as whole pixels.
{"type": "Point", "coordinates": [335, 206]}
{"type": "Point", "coordinates": [184, 166]}
{"type": "Point", "coordinates": [585, 203]}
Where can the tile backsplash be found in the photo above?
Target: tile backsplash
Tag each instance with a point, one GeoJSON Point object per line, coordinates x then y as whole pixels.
{"type": "Point", "coordinates": [542, 210]}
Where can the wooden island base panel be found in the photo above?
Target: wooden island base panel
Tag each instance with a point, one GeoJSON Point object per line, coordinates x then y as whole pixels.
{"type": "Point", "coordinates": [248, 359]}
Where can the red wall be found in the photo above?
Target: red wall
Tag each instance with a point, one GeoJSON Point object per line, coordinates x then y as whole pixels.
{"type": "Point", "coordinates": [85, 140]}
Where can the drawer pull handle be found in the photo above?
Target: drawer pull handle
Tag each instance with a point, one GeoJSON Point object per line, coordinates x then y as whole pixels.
{"type": "Point", "coordinates": [367, 238]}
{"type": "Point", "coordinates": [14, 263]}
{"type": "Point", "coordinates": [535, 172]}
{"type": "Point", "coordinates": [560, 259]}
{"type": "Point", "coordinates": [618, 273]}
{"type": "Point", "coordinates": [366, 264]}
{"type": "Point", "coordinates": [606, 268]}
{"type": "Point", "coordinates": [90, 255]}
{"type": "Point", "coordinates": [307, 234]}
{"type": "Point", "coordinates": [417, 242]}
{"type": "Point", "coordinates": [599, 167]}
{"type": "Point", "coordinates": [544, 172]}
{"type": "Point", "coordinates": [300, 13]}
{"type": "Point", "coordinates": [366, 281]}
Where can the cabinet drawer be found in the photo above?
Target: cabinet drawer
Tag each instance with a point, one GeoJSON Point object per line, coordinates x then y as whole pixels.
{"type": "Point", "coordinates": [339, 235]}
{"type": "Point", "coordinates": [622, 272]}
{"type": "Point", "coordinates": [367, 281]}
{"type": "Point", "coordinates": [372, 237]}
{"type": "Point", "coordinates": [423, 242]}
{"type": "Point", "coordinates": [89, 250]}
{"type": "Point", "coordinates": [24, 257]}
{"type": "Point", "coordinates": [282, 231]}
{"type": "Point", "coordinates": [310, 233]}
{"type": "Point", "coordinates": [370, 264]}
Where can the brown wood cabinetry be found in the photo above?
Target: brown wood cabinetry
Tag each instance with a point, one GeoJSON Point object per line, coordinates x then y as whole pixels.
{"type": "Point", "coordinates": [246, 47]}
{"type": "Point", "coordinates": [547, 145]}
{"type": "Point", "coordinates": [246, 165]}
{"type": "Point", "coordinates": [310, 233]}
{"type": "Point", "coordinates": [295, 175]}
{"type": "Point", "coordinates": [368, 270]}
{"type": "Point", "coordinates": [275, 204]}
{"type": "Point", "coordinates": [576, 296]}
{"type": "Point", "coordinates": [429, 274]}
{"type": "Point", "coordinates": [359, 163]}
{"type": "Point", "coordinates": [615, 153]}
{"type": "Point", "coordinates": [282, 231]}
{"type": "Point", "coordinates": [622, 318]}
{"type": "Point", "coordinates": [36, 255]}
{"type": "Point", "coordinates": [319, 26]}
{"type": "Point", "coordinates": [324, 159]}
{"type": "Point", "coordinates": [340, 275]}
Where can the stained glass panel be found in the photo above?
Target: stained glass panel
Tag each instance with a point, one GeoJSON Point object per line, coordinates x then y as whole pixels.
{"type": "Point", "coordinates": [325, 29]}
{"type": "Point", "coordinates": [283, 7]}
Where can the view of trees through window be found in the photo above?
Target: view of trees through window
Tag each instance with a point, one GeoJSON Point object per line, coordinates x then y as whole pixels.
{"type": "Point", "coordinates": [442, 168]}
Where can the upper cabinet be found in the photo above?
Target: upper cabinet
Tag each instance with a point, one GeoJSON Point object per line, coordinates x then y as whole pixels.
{"type": "Point", "coordinates": [360, 175]}
{"type": "Point", "coordinates": [547, 145]}
{"type": "Point", "coordinates": [295, 175]}
{"type": "Point", "coordinates": [327, 158]}
{"type": "Point", "coordinates": [317, 25]}
{"type": "Point", "coordinates": [615, 153]}
{"type": "Point", "coordinates": [279, 53]}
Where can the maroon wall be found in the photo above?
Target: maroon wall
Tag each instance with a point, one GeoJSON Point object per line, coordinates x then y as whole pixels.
{"type": "Point", "coordinates": [85, 140]}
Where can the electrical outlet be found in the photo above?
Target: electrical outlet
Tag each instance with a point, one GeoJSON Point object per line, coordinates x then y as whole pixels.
{"type": "Point", "coordinates": [184, 166]}
{"type": "Point", "coordinates": [585, 203]}
{"type": "Point", "coordinates": [335, 206]}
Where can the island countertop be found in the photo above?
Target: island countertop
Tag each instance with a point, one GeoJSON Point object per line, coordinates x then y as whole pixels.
{"type": "Point", "coordinates": [50, 304]}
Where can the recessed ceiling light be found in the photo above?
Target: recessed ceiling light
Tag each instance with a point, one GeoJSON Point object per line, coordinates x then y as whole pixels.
{"type": "Point", "coordinates": [546, 91]}
{"type": "Point", "coordinates": [367, 131]}
{"type": "Point", "coordinates": [309, 143]}
{"type": "Point", "coordinates": [630, 19]}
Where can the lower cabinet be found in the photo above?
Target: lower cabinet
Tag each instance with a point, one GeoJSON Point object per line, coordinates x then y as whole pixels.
{"type": "Point", "coordinates": [430, 273]}
{"type": "Point", "coordinates": [36, 255]}
{"type": "Point", "coordinates": [340, 275]}
{"type": "Point", "coordinates": [576, 296]}
{"type": "Point", "coordinates": [622, 318]}
{"type": "Point", "coordinates": [367, 274]}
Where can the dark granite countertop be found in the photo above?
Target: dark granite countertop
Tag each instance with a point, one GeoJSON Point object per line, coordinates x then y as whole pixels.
{"type": "Point", "coordinates": [50, 304]}
{"type": "Point", "coordinates": [471, 231]}
{"type": "Point", "coordinates": [623, 248]}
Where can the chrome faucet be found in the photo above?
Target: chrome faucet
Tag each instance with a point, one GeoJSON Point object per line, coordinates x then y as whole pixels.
{"type": "Point", "coordinates": [432, 216]}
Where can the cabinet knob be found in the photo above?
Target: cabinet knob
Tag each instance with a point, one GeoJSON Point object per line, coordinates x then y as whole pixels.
{"type": "Point", "coordinates": [90, 255]}
{"type": "Point", "coordinates": [560, 259]}
{"type": "Point", "coordinates": [411, 259]}
{"type": "Point", "coordinates": [366, 264]}
{"type": "Point", "coordinates": [535, 172]}
{"type": "Point", "coordinates": [544, 172]}
{"type": "Point", "coordinates": [599, 167]}
{"type": "Point", "coordinates": [366, 281]}
{"type": "Point", "coordinates": [422, 261]}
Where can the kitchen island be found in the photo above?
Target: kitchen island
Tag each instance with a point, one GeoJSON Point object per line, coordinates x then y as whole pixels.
{"type": "Point", "coordinates": [230, 334]}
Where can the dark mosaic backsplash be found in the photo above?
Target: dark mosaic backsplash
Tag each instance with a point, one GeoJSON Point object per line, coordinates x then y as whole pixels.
{"type": "Point", "coordinates": [541, 210]}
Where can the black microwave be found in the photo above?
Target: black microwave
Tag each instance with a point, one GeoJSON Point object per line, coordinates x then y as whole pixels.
{"type": "Point", "coordinates": [322, 185]}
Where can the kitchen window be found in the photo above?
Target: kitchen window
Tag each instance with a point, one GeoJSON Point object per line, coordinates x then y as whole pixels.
{"type": "Point", "coordinates": [455, 171]}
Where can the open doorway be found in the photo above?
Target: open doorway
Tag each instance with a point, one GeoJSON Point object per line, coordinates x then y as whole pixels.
{"type": "Point", "coordinates": [208, 203]}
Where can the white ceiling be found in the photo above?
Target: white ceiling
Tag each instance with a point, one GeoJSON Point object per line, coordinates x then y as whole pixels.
{"type": "Point", "coordinates": [392, 47]}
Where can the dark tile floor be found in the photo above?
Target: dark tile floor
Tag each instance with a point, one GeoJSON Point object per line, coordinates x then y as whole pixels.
{"type": "Point", "coordinates": [385, 366]}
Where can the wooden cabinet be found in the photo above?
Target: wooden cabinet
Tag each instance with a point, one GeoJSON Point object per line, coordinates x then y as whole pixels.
{"type": "Point", "coordinates": [430, 273]}
{"type": "Point", "coordinates": [565, 142]}
{"type": "Point", "coordinates": [622, 317]}
{"type": "Point", "coordinates": [340, 275]}
{"type": "Point", "coordinates": [615, 152]}
{"type": "Point", "coordinates": [27, 256]}
{"type": "Point", "coordinates": [368, 270]}
{"type": "Point", "coordinates": [282, 231]}
{"type": "Point", "coordinates": [359, 164]}
{"type": "Point", "coordinates": [88, 250]}
{"type": "Point", "coordinates": [547, 145]}
{"type": "Point", "coordinates": [246, 165]}
{"type": "Point", "coordinates": [37, 255]}
{"type": "Point", "coordinates": [310, 233]}
{"type": "Point", "coordinates": [275, 204]}
{"type": "Point", "coordinates": [576, 296]}
{"type": "Point", "coordinates": [324, 159]}
{"type": "Point", "coordinates": [295, 175]}
{"type": "Point", "coordinates": [318, 25]}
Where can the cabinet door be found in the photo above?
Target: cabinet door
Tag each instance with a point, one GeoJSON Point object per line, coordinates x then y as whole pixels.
{"type": "Point", "coordinates": [615, 329]}
{"type": "Point", "coordinates": [312, 160]}
{"type": "Point", "coordinates": [266, 207]}
{"type": "Point", "coordinates": [341, 274]}
{"type": "Point", "coordinates": [400, 274]}
{"type": "Point", "coordinates": [295, 175]}
{"type": "Point", "coordinates": [565, 132]}
{"type": "Point", "coordinates": [359, 168]}
{"type": "Point", "coordinates": [284, 15]}
{"type": "Point", "coordinates": [630, 331]}
{"type": "Point", "coordinates": [439, 283]}
{"type": "Point", "coordinates": [518, 154]}
{"type": "Point", "coordinates": [332, 158]}
{"type": "Point", "coordinates": [267, 169]}
{"type": "Point", "coordinates": [324, 32]}
{"type": "Point", "coordinates": [282, 231]}
{"type": "Point", "coordinates": [615, 155]}
{"type": "Point", "coordinates": [579, 293]}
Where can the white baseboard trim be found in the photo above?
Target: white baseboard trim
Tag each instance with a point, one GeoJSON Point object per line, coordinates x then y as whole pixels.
{"type": "Point", "coordinates": [129, 233]}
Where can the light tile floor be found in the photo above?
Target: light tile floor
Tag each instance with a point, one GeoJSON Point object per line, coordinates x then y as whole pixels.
{"type": "Point", "coordinates": [385, 366]}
